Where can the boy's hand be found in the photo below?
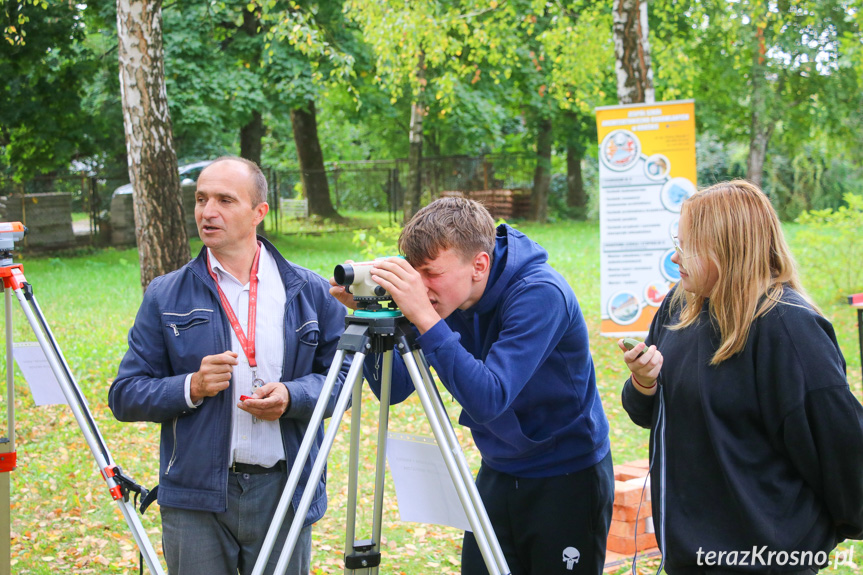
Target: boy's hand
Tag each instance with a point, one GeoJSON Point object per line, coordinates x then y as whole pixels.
{"type": "Point", "coordinates": [409, 292]}
{"type": "Point", "coordinates": [342, 295]}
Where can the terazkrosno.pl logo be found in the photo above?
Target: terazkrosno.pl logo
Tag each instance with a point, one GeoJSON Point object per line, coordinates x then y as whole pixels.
{"type": "Point", "coordinates": [763, 557]}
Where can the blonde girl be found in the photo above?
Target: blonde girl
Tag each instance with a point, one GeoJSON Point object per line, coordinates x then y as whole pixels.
{"type": "Point", "coordinates": [756, 439]}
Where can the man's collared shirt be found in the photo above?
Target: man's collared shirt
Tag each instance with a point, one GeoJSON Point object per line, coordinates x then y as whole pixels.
{"type": "Point", "coordinates": [255, 443]}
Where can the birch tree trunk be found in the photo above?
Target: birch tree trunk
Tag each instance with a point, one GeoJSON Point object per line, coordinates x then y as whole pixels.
{"type": "Point", "coordinates": [413, 198]}
{"type": "Point", "coordinates": [159, 225]}
{"type": "Point", "coordinates": [632, 52]}
{"type": "Point", "coordinates": [761, 123]}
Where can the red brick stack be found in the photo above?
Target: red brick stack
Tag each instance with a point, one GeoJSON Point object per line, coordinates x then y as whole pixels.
{"type": "Point", "coordinates": [625, 534]}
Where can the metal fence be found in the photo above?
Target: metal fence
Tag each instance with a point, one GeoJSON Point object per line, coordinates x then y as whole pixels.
{"type": "Point", "coordinates": [380, 185]}
{"type": "Point", "coordinates": [358, 186]}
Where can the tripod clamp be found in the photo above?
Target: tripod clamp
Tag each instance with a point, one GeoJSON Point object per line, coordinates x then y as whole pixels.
{"type": "Point", "coordinates": [125, 484]}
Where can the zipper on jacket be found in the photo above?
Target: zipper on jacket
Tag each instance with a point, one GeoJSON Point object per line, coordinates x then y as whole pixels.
{"type": "Point", "coordinates": [174, 452]}
{"type": "Point", "coordinates": [184, 327]}
{"type": "Point", "coordinates": [188, 312]}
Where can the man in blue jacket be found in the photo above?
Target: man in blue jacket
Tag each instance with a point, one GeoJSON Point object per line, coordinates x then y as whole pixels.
{"type": "Point", "coordinates": [229, 353]}
{"type": "Point", "coordinates": [505, 334]}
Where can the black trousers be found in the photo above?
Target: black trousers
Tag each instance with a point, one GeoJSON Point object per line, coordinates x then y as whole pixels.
{"type": "Point", "coordinates": [546, 526]}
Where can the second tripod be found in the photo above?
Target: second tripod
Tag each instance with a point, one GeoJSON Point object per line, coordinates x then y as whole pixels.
{"type": "Point", "coordinates": [379, 332]}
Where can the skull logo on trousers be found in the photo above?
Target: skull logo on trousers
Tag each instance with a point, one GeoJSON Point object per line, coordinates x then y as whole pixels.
{"type": "Point", "coordinates": [571, 555]}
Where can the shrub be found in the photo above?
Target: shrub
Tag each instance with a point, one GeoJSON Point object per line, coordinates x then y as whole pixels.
{"type": "Point", "coordinates": [831, 247]}
{"type": "Point", "coordinates": [384, 242]}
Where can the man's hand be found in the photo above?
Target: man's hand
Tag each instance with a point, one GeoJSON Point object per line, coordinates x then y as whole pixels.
{"type": "Point", "coordinates": [409, 292]}
{"type": "Point", "coordinates": [269, 401]}
{"type": "Point", "coordinates": [341, 294]}
{"type": "Point", "coordinates": [213, 377]}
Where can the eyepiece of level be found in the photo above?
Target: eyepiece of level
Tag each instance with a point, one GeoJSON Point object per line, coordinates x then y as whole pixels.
{"type": "Point", "coordinates": [344, 274]}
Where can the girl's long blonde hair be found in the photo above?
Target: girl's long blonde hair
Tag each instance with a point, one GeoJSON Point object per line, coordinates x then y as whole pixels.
{"type": "Point", "coordinates": [733, 225]}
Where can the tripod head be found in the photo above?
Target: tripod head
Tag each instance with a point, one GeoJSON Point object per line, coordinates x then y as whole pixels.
{"type": "Point", "coordinates": [10, 232]}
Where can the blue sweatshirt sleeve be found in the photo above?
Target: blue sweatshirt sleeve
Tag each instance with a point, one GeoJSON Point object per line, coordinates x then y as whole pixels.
{"type": "Point", "coordinates": [533, 319]}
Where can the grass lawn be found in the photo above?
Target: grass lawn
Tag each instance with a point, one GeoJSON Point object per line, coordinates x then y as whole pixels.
{"type": "Point", "coordinates": [63, 517]}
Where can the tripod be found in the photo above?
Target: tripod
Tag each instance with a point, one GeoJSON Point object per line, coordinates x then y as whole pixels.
{"type": "Point", "coordinates": [366, 332]}
{"type": "Point", "coordinates": [119, 485]}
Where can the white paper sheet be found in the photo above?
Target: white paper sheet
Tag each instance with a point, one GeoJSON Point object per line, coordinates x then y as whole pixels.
{"type": "Point", "coordinates": [424, 488]}
{"type": "Point", "coordinates": [34, 365]}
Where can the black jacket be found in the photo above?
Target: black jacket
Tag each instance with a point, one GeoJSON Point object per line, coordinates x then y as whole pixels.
{"type": "Point", "coordinates": [765, 449]}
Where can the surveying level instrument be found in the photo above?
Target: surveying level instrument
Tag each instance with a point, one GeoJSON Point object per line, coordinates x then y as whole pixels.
{"type": "Point", "coordinates": [119, 485]}
{"type": "Point", "coordinates": [372, 329]}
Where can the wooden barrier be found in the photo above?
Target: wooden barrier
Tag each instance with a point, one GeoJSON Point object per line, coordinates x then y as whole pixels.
{"type": "Point", "coordinates": [501, 204]}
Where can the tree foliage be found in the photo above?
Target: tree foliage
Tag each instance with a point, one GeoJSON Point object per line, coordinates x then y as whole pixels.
{"type": "Point", "coordinates": [16, 16]}
{"type": "Point", "coordinates": [777, 81]}
{"type": "Point", "coordinates": [44, 65]}
{"type": "Point", "coordinates": [762, 70]}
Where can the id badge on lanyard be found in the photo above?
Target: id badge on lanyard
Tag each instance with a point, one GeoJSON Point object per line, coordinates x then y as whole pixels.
{"type": "Point", "coordinates": [247, 343]}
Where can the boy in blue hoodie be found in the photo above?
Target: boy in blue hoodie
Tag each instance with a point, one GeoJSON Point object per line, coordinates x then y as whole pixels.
{"type": "Point", "coordinates": [505, 334]}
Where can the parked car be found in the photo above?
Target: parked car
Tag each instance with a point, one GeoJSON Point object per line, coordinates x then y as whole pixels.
{"type": "Point", "coordinates": [188, 175]}
{"type": "Point", "coordinates": [122, 211]}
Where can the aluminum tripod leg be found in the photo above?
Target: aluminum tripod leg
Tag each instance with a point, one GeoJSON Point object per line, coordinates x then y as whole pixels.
{"type": "Point", "coordinates": [357, 550]}
{"type": "Point", "coordinates": [85, 420]}
{"type": "Point", "coordinates": [10, 376]}
{"type": "Point", "coordinates": [453, 456]}
{"type": "Point", "coordinates": [7, 448]}
{"type": "Point", "coordinates": [317, 469]}
{"type": "Point", "coordinates": [454, 446]}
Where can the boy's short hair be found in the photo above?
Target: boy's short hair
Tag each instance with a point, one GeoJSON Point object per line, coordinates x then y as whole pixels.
{"type": "Point", "coordinates": [462, 225]}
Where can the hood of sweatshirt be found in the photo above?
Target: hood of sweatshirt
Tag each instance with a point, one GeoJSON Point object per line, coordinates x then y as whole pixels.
{"type": "Point", "coordinates": [515, 255]}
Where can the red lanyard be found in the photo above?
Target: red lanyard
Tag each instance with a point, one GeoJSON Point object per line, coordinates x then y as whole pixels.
{"type": "Point", "coordinates": [248, 345]}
